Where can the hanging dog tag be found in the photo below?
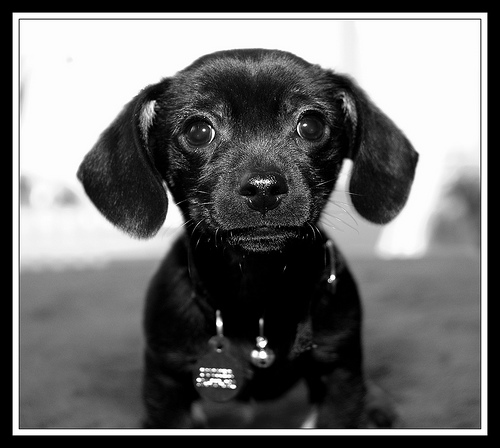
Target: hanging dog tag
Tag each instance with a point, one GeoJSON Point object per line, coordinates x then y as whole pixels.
{"type": "Point", "coordinates": [218, 375]}
{"type": "Point", "coordinates": [262, 355]}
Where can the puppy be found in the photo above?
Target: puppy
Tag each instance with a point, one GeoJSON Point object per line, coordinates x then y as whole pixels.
{"type": "Point", "coordinates": [253, 296]}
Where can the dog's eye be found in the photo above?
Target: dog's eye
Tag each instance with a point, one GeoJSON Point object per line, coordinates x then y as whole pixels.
{"type": "Point", "coordinates": [310, 128]}
{"type": "Point", "coordinates": [200, 133]}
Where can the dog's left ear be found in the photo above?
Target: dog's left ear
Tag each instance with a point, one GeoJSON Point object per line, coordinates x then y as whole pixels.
{"type": "Point", "coordinates": [119, 174]}
{"type": "Point", "coordinates": [384, 161]}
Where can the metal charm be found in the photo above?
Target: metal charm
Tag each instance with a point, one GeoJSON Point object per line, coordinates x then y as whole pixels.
{"type": "Point", "coordinates": [331, 255]}
{"type": "Point", "coordinates": [218, 375]}
{"type": "Point", "coordinates": [262, 355]}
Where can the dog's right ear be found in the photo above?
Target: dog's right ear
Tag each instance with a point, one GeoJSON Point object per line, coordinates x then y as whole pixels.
{"type": "Point", "coordinates": [119, 175]}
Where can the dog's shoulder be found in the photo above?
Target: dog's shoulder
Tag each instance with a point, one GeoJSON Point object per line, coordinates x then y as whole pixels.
{"type": "Point", "coordinates": [170, 291]}
{"type": "Point", "coordinates": [173, 269]}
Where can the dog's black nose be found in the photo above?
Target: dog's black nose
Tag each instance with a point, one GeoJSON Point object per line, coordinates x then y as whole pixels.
{"type": "Point", "coordinates": [263, 190]}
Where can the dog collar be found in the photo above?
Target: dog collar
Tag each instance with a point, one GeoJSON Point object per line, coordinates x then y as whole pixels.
{"type": "Point", "coordinates": [262, 355]}
{"type": "Point", "coordinates": [219, 374]}
{"type": "Point", "coordinates": [304, 341]}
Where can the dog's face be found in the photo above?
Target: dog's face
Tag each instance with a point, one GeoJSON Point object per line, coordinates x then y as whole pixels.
{"type": "Point", "coordinates": [250, 144]}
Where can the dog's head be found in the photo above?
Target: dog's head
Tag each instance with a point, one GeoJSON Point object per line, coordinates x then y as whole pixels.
{"type": "Point", "coordinates": [250, 144]}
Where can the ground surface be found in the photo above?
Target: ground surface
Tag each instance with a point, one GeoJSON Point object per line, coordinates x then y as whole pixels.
{"type": "Point", "coordinates": [81, 344]}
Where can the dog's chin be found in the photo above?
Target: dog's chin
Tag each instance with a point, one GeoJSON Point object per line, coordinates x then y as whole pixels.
{"type": "Point", "coordinates": [263, 239]}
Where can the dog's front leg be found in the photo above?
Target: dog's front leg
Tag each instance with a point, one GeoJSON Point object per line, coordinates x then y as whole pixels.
{"type": "Point", "coordinates": [335, 380]}
{"type": "Point", "coordinates": [339, 396]}
{"type": "Point", "coordinates": [167, 399]}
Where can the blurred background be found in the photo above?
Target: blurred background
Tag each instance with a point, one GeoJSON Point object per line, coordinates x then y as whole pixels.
{"type": "Point", "coordinates": [82, 281]}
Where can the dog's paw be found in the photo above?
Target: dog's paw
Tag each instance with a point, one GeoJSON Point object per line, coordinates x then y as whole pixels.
{"type": "Point", "coordinates": [311, 420]}
{"type": "Point", "coordinates": [198, 415]}
{"type": "Point", "coordinates": [380, 409]}
{"type": "Point", "coordinates": [228, 415]}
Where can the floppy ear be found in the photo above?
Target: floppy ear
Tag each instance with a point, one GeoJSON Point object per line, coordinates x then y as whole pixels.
{"type": "Point", "coordinates": [384, 160]}
{"type": "Point", "coordinates": [119, 175]}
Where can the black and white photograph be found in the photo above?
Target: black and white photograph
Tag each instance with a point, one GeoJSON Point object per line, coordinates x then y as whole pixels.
{"type": "Point", "coordinates": [250, 224]}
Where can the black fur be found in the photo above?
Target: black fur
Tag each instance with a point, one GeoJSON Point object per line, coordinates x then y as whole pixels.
{"type": "Point", "coordinates": [251, 198]}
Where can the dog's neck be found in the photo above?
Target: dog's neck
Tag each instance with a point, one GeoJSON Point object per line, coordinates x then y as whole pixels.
{"type": "Point", "coordinates": [247, 286]}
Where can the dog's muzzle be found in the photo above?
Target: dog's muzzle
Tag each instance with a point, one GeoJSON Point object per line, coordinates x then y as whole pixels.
{"type": "Point", "coordinates": [263, 190]}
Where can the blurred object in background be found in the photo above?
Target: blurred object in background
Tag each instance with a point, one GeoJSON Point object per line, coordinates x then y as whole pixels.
{"type": "Point", "coordinates": [443, 212]}
{"type": "Point", "coordinates": [457, 222]}
{"type": "Point", "coordinates": [60, 228]}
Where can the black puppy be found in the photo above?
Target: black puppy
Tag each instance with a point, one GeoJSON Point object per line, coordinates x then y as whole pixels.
{"type": "Point", "coordinates": [253, 297]}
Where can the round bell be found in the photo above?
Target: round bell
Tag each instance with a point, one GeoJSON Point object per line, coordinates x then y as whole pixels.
{"type": "Point", "coordinates": [262, 356]}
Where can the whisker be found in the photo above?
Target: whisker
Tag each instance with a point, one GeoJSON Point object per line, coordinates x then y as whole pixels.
{"type": "Point", "coordinates": [215, 237]}
{"type": "Point", "coordinates": [315, 231]}
{"type": "Point", "coordinates": [194, 192]}
{"type": "Point", "coordinates": [347, 192]}
{"type": "Point", "coordinates": [196, 226]}
{"type": "Point", "coordinates": [184, 224]}
{"type": "Point", "coordinates": [197, 243]}
{"type": "Point", "coordinates": [336, 204]}
{"type": "Point", "coordinates": [312, 229]}
{"type": "Point", "coordinates": [340, 220]}
{"type": "Point", "coordinates": [325, 182]}
{"type": "Point", "coordinates": [170, 229]}
{"type": "Point", "coordinates": [180, 202]}
{"type": "Point", "coordinates": [329, 225]}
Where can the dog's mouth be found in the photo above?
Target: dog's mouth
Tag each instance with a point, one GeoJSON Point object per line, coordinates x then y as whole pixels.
{"type": "Point", "coordinates": [264, 238]}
